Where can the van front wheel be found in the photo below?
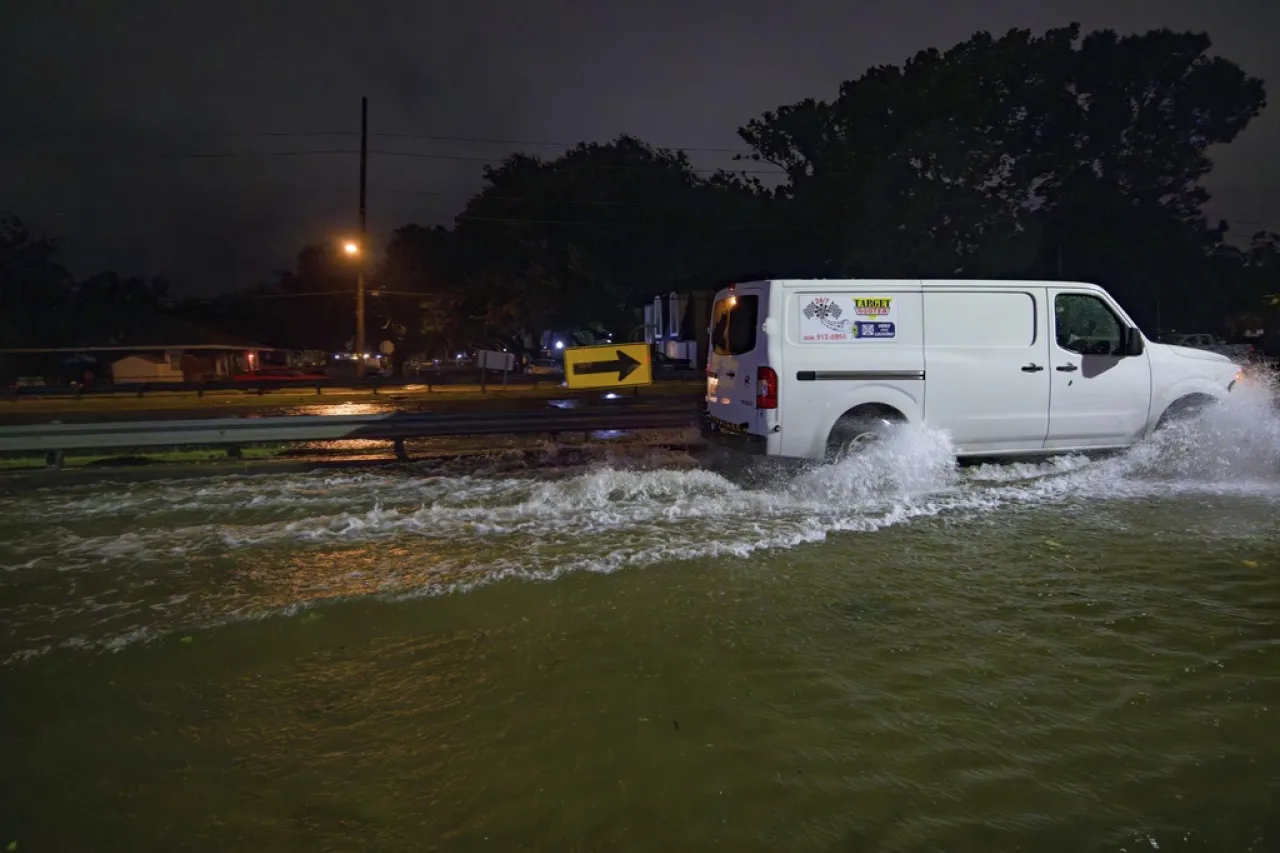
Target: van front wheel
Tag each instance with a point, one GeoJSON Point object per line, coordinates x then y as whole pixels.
{"type": "Point", "coordinates": [854, 433]}
{"type": "Point", "coordinates": [1186, 409]}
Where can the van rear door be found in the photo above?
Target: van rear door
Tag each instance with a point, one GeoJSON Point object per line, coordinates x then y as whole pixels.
{"type": "Point", "coordinates": [738, 350]}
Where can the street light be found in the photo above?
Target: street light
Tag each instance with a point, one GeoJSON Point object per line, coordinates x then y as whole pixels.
{"type": "Point", "coordinates": [351, 249]}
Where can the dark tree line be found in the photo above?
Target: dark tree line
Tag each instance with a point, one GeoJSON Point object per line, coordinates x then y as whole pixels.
{"type": "Point", "coordinates": [1055, 156]}
{"type": "Point", "coordinates": [41, 302]}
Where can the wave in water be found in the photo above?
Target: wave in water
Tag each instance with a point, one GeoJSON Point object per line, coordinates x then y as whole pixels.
{"type": "Point", "coordinates": [100, 564]}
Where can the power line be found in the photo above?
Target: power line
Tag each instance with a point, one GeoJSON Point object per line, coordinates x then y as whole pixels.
{"type": "Point", "coordinates": [488, 160]}
{"type": "Point", "coordinates": [197, 155]}
{"type": "Point", "coordinates": [421, 155]}
{"type": "Point", "coordinates": [348, 134]}
{"type": "Point", "coordinates": [547, 144]}
{"type": "Point", "coordinates": [215, 155]}
{"type": "Point", "coordinates": [515, 220]}
{"type": "Point", "coordinates": [343, 293]}
{"type": "Point", "coordinates": [286, 209]}
{"type": "Point", "coordinates": [462, 158]}
{"type": "Point", "coordinates": [258, 189]}
{"type": "Point", "coordinates": [198, 134]}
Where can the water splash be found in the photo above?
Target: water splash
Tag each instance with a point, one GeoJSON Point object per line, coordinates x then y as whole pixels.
{"type": "Point", "coordinates": [135, 559]}
{"type": "Point", "coordinates": [1234, 443]}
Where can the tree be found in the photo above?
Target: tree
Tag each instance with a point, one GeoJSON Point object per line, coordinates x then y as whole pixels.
{"type": "Point", "coordinates": [1247, 282]}
{"type": "Point", "coordinates": [588, 237]}
{"type": "Point", "coordinates": [1057, 155]}
{"type": "Point", "coordinates": [34, 288]}
{"type": "Point", "coordinates": [418, 294]}
{"type": "Point", "coordinates": [1015, 156]}
{"type": "Point", "coordinates": [108, 306]}
{"type": "Point", "coordinates": [311, 306]}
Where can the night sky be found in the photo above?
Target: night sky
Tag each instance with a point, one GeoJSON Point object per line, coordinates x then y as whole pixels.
{"type": "Point", "coordinates": [103, 100]}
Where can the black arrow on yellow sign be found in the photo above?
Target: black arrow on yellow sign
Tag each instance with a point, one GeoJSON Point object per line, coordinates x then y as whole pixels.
{"type": "Point", "coordinates": [623, 365]}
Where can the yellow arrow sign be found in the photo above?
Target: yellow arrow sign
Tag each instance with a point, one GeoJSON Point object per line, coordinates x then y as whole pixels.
{"type": "Point", "coordinates": [608, 366]}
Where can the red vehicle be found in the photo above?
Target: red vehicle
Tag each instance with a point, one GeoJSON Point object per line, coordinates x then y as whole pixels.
{"type": "Point", "coordinates": [280, 374]}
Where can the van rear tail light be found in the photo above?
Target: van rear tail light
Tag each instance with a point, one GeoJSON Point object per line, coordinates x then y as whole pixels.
{"type": "Point", "coordinates": [766, 388]}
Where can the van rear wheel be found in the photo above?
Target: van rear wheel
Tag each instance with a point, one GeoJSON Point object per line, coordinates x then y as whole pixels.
{"type": "Point", "coordinates": [854, 433]}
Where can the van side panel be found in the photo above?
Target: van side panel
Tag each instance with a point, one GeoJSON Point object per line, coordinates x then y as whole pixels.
{"type": "Point", "coordinates": [987, 353]}
{"type": "Point", "coordinates": [847, 344]}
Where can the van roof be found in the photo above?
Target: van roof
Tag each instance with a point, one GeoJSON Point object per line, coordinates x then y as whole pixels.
{"type": "Point", "coordinates": [933, 282]}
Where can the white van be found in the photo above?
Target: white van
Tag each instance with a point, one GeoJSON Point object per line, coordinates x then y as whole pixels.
{"type": "Point", "coordinates": [812, 369]}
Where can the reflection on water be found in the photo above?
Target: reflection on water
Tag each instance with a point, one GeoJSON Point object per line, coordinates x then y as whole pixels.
{"type": "Point", "coordinates": [891, 653]}
{"type": "Point", "coordinates": [350, 409]}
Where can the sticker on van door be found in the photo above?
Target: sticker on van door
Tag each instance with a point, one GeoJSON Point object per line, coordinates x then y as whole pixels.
{"type": "Point", "coordinates": [842, 318]}
{"type": "Point", "coordinates": [874, 330]}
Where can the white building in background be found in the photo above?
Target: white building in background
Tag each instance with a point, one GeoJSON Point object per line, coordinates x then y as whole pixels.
{"type": "Point", "coordinates": [676, 324]}
{"type": "Point", "coordinates": [147, 367]}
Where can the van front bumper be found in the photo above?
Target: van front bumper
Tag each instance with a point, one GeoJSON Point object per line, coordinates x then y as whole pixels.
{"type": "Point", "coordinates": [717, 432]}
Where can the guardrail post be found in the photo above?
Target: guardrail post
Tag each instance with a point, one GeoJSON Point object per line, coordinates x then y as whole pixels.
{"type": "Point", "coordinates": [319, 389]}
{"type": "Point", "coordinates": [261, 389]}
{"type": "Point", "coordinates": [233, 451]}
{"type": "Point", "coordinates": [401, 454]}
{"type": "Point", "coordinates": [54, 459]}
{"type": "Point", "coordinates": [142, 389]}
{"type": "Point", "coordinates": [200, 390]}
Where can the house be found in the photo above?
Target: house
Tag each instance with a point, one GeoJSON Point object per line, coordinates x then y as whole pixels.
{"type": "Point", "coordinates": [161, 347]}
{"type": "Point", "coordinates": [146, 367]}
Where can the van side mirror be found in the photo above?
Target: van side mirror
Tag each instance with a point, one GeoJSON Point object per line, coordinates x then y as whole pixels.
{"type": "Point", "coordinates": [1131, 342]}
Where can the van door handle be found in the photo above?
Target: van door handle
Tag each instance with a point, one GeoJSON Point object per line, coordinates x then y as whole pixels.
{"type": "Point", "coordinates": [1033, 368]}
{"type": "Point", "coordinates": [1067, 368]}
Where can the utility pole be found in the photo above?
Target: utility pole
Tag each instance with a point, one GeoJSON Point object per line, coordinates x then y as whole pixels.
{"type": "Point", "coordinates": [364, 248]}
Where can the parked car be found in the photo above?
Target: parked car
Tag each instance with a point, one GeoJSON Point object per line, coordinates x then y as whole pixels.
{"type": "Point", "coordinates": [1236, 349]}
{"type": "Point", "coordinates": [545, 367]}
{"type": "Point", "coordinates": [817, 369]}
{"type": "Point", "coordinates": [662, 361]}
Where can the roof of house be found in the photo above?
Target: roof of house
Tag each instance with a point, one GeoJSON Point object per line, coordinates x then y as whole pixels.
{"type": "Point", "coordinates": [144, 356]}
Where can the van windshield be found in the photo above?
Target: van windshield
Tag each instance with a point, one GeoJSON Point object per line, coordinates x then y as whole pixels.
{"type": "Point", "coordinates": [734, 321]}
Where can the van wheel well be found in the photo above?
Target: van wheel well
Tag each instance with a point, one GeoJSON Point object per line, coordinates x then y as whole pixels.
{"type": "Point", "coordinates": [1185, 408]}
{"type": "Point", "coordinates": [860, 426]}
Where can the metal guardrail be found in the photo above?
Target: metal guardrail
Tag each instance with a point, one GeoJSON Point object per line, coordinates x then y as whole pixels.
{"type": "Point", "coordinates": [233, 432]}
{"type": "Point", "coordinates": [430, 380]}
{"type": "Point", "coordinates": [319, 386]}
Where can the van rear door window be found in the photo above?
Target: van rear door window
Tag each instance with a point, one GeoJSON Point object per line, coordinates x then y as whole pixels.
{"type": "Point", "coordinates": [734, 321]}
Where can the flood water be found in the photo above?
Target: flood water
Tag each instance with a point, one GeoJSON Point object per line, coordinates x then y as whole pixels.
{"type": "Point", "coordinates": [655, 651]}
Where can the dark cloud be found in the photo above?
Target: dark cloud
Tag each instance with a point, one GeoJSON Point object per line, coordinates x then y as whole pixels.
{"type": "Point", "coordinates": [99, 95]}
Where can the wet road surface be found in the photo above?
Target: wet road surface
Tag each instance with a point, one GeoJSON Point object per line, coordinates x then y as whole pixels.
{"type": "Point", "coordinates": [651, 651]}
